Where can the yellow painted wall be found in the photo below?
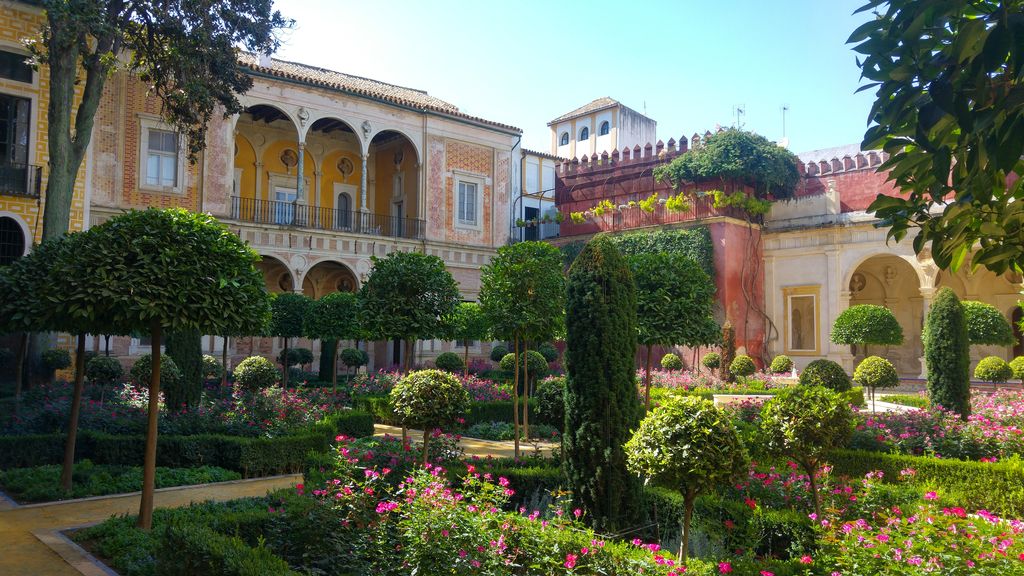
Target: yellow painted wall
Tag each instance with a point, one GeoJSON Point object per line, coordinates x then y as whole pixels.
{"type": "Point", "coordinates": [331, 176]}
{"type": "Point", "coordinates": [385, 171]}
{"type": "Point", "coordinates": [272, 164]}
{"type": "Point", "coordinates": [245, 159]}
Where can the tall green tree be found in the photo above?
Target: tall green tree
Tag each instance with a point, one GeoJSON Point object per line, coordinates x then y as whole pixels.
{"type": "Point", "coordinates": [168, 270]}
{"type": "Point", "coordinates": [469, 323]}
{"type": "Point", "coordinates": [675, 301]}
{"type": "Point", "coordinates": [288, 313]}
{"type": "Point", "coordinates": [948, 78]}
{"type": "Point", "coordinates": [601, 404]}
{"type": "Point", "coordinates": [185, 347]}
{"type": "Point", "coordinates": [947, 354]}
{"type": "Point", "coordinates": [408, 296]}
{"type": "Point", "coordinates": [331, 319]}
{"type": "Point", "coordinates": [186, 52]}
{"type": "Point", "coordinates": [522, 294]}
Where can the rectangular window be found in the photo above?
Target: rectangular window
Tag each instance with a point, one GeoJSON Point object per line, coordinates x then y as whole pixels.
{"type": "Point", "coordinates": [162, 159]}
{"type": "Point", "coordinates": [802, 320]}
{"type": "Point", "coordinates": [468, 203]}
{"type": "Point", "coordinates": [14, 133]}
{"type": "Point", "coordinates": [15, 67]}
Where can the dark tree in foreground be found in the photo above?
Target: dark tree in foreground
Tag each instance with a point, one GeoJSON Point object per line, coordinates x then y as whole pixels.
{"type": "Point", "coordinates": [287, 317]}
{"type": "Point", "coordinates": [947, 354]}
{"type": "Point", "coordinates": [185, 347]}
{"type": "Point", "coordinates": [332, 319]}
{"type": "Point", "coordinates": [601, 404]}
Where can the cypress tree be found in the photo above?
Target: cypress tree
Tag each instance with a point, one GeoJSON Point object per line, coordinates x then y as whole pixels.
{"type": "Point", "coordinates": [185, 347]}
{"type": "Point", "coordinates": [327, 359]}
{"type": "Point", "coordinates": [601, 403]}
{"type": "Point", "coordinates": [947, 354]}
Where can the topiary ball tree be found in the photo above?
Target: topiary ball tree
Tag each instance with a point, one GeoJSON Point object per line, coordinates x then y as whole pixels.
{"type": "Point", "coordinates": [601, 404]}
{"type": "Point", "coordinates": [671, 361]}
{"type": "Point", "coordinates": [711, 360]}
{"type": "Point", "coordinates": [728, 351]}
{"type": "Point", "coordinates": [689, 445]}
{"type": "Point", "coordinates": [449, 362]}
{"type": "Point", "coordinates": [876, 372]}
{"type": "Point", "coordinates": [55, 359]}
{"type": "Point", "coordinates": [865, 325]}
{"type": "Point", "coordinates": [993, 369]}
{"type": "Point", "coordinates": [212, 368]}
{"type": "Point", "coordinates": [429, 399]}
{"type": "Point", "coordinates": [1017, 365]}
{"type": "Point", "coordinates": [532, 365]}
{"type": "Point", "coordinates": [353, 358]}
{"type": "Point", "coordinates": [804, 423]}
{"type": "Point", "coordinates": [825, 373]}
{"type": "Point", "coordinates": [104, 371]}
{"type": "Point", "coordinates": [548, 351]}
{"type": "Point", "coordinates": [170, 375]}
{"type": "Point", "coordinates": [947, 354]}
{"type": "Point", "coordinates": [551, 402]}
{"type": "Point", "coordinates": [256, 373]}
{"type": "Point", "coordinates": [288, 313]}
{"type": "Point", "coordinates": [781, 364]}
{"type": "Point", "coordinates": [498, 351]}
{"type": "Point", "coordinates": [468, 324]}
{"type": "Point", "coordinates": [742, 366]}
{"type": "Point", "coordinates": [986, 325]}
{"type": "Point", "coordinates": [331, 319]}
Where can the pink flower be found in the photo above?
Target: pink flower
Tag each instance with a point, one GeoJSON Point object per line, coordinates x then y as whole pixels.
{"type": "Point", "coordinates": [570, 561]}
{"type": "Point", "coordinates": [805, 559]}
{"type": "Point", "coordinates": [724, 567]}
{"type": "Point", "coordinates": [767, 573]}
{"type": "Point", "coordinates": [931, 495]}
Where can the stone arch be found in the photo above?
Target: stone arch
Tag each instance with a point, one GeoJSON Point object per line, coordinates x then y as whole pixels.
{"type": "Point", "coordinates": [277, 275]}
{"type": "Point", "coordinates": [915, 265]}
{"type": "Point", "coordinates": [15, 238]}
{"type": "Point", "coordinates": [394, 161]}
{"type": "Point", "coordinates": [895, 282]}
{"type": "Point", "coordinates": [369, 141]}
{"type": "Point", "coordinates": [327, 276]}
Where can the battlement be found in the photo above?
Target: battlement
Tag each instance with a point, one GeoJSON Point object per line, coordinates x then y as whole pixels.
{"type": "Point", "coordinates": [869, 160]}
{"type": "Point", "coordinates": [649, 154]}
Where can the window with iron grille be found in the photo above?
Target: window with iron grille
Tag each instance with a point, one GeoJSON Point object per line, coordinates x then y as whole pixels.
{"type": "Point", "coordinates": [12, 241]}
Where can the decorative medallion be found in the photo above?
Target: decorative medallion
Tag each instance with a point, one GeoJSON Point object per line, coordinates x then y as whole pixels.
{"type": "Point", "coordinates": [289, 158]}
{"type": "Point", "coordinates": [857, 283]}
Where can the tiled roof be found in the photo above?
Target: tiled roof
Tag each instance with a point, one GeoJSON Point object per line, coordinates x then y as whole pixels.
{"type": "Point", "coordinates": [401, 95]}
{"type": "Point", "coordinates": [528, 152]}
{"type": "Point", "coordinates": [599, 104]}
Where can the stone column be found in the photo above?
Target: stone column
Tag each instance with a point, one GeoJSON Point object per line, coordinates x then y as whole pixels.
{"type": "Point", "coordinates": [362, 186]}
{"type": "Point", "coordinates": [845, 357]}
{"type": "Point", "coordinates": [927, 294]}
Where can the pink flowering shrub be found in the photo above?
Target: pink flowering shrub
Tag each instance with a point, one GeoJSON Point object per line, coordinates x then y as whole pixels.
{"type": "Point", "coordinates": [380, 382]}
{"type": "Point", "coordinates": [483, 390]}
{"type": "Point", "coordinates": [689, 380]}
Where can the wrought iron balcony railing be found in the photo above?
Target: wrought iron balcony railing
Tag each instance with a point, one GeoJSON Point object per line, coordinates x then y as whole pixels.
{"type": "Point", "coordinates": [302, 216]}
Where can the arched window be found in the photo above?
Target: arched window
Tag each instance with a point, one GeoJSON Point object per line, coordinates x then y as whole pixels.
{"type": "Point", "coordinates": [12, 241]}
{"type": "Point", "coordinates": [564, 141]}
{"type": "Point", "coordinates": [584, 134]}
{"type": "Point", "coordinates": [603, 130]}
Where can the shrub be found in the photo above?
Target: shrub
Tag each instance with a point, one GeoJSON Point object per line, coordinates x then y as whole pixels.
{"type": "Point", "coordinates": [804, 423]}
{"type": "Point", "coordinates": [993, 369]}
{"type": "Point", "coordinates": [876, 372]}
{"type": "Point", "coordinates": [449, 362]}
{"type": "Point", "coordinates": [143, 368]}
{"type": "Point", "coordinates": [711, 360]}
{"type": "Point", "coordinates": [212, 369]}
{"type": "Point", "coordinates": [531, 360]}
{"type": "Point", "coordinates": [104, 371]}
{"type": "Point", "coordinates": [671, 362]}
{"type": "Point", "coordinates": [498, 352]}
{"type": "Point", "coordinates": [600, 350]}
{"type": "Point", "coordinates": [55, 359]}
{"type": "Point", "coordinates": [689, 445]}
{"type": "Point", "coordinates": [548, 351]}
{"type": "Point", "coordinates": [296, 357]}
{"type": "Point", "coordinates": [1017, 365]}
{"type": "Point", "coordinates": [947, 354]}
{"type": "Point", "coordinates": [742, 366]}
{"type": "Point", "coordinates": [986, 325]}
{"type": "Point", "coordinates": [781, 364]}
{"type": "Point", "coordinates": [429, 399]}
{"type": "Point", "coordinates": [550, 396]}
{"type": "Point", "coordinates": [825, 373]}
{"type": "Point", "coordinates": [191, 548]}
{"type": "Point", "coordinates": [256, 373]}
{"type": "Point", "coordinates": [866, 324]}
{"type": "Point", "coordinates": [354, 358]}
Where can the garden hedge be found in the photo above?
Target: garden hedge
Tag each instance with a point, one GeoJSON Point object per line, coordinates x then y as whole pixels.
{"type": "Point", "coordinates": [996, 487]}
{"type": "Point", "coordinates": [187, 549]}
{"type": "Point", "coordinates": [479, 412]}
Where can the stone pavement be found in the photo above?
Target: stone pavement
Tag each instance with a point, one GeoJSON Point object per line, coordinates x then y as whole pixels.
{"type": "Point", "coordinates": [475, 446]}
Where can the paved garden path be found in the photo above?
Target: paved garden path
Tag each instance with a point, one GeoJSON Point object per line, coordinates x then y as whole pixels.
{"type": "Point", "coordinates": [475, 446]}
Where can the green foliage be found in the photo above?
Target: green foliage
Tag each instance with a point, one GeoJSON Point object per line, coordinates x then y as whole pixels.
{"type": "Point", "coordinates": [740, 157]}
{"type": "Point", "coordinates": [408, 296]}
{"type": "Point", "coordinates": [187, 549]}
{"type": "Point", "coordinates": [185, 347]}
{"type": "Point", "coordinates": [449, 362]}
{"type": "Point", "coordinates": [876, 372]}
{"type": "Point", "coordinates": [170, 375]}
{"type": "Point", "coordinates": [823, 372]}
{"type": "Point", "coordinates": [256, 373]}
{"type": "Point", "coordinates": [951, 123]}
{"type": "Point", "coordinates": [354, 358]}
{"type": "Point", "coordinates": [42, 483]}
{"type": "Point", "coordinates": [671, 362]}
{"type": "Point", "coordinates": [601, 402]}
{"type": "Point", "coordinates": [865, 324]}
{"type": "Point", "coordinates": [104, 370]}
{"type": "Point", "coordinates": [750, 204]}
{"type": "Point", "coordinates": [728, 351]}
{"type": "Point", "coordinates": [531, 363]}
{"type": "Point", "coordinates": [295, 357]}
{"type": "Point", "coordinates": [675, 300]}
{"type": "Point", "coordinates": [692, 243]}
{"type": "Point", "coordinates": [986, 325]}
{"type": "Point", "coordinates": [505, 431]}
{"type": "Point", "coordinates": [212, 368]}
{"type": "Point", "coordinates": [288, 314]}
{"type": "Point", "coordinates": [711, 360]}
{"type": "Point", "coordinates": [498, 352]}
{"type": "Point", "coordinates": [781, 364]}
{"type": "Point", "coordinates": [333, 317]}
{"type": "Point", "coordinates": [1017, 365]}
{"type": "Point", "coordinates": [947, 355]}
{"type": "Point", "coordinates": [993, 369]}
{"type": "Point", "coordinates": [912, 400]}
{"type": "Point", "coordinates": [550, 396]}
{"type": "Point", "coordinates": [468, 323]}
{"type": "Point", "coordinates": [742, 366]}
{"type": "Point", "coordinates": [522, 292]}
{"type": "Point", "coordinates": [429, 399]}
{"type": "Point", "coordinates": [548, 351]}
{"type": "Point", "coordinates": [55, 359]}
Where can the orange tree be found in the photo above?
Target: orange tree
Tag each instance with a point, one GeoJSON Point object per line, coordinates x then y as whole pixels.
{"type": "Point", "coordinates": [333, 318]}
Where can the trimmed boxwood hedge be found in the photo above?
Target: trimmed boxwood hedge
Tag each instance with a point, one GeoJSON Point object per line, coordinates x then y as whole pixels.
{"type": "Point", "coordinates": [247, 455]}
{"type": "Point", "coordinates": [479, 412]}
{"type": "Point", "coordinates": [996, 487]}
{"type": "Point", "coordinates": [187, 549]}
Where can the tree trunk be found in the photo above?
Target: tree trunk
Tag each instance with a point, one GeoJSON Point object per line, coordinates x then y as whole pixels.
{"type": "Point", "coordinates": [149, 462]}
{"type": "Point", "coordinates": [76, 409]}
{"type": "Point", "coordinates": [684, 542]}
{"type": "Point", "coordinates": [515, 395]}
{"type": "Point", "coordinates": [284, 373]}
{"type": "Point", "coordinates": [106, 344]}
{"type": "Point", "coordinates": [526, 392]}
{"type": "Point", "coordinates": [647, 381]}
{"type": "Point", "coordinates": [426, 439]}
{"type": "Point", "coordinates": [19, 367]}
{"type": "Point", "coordinates": [334, 368]}
{"type": "Point", "coordinates": [224, 363]}
{"type": "Point", "coordinates": [465, 359]}
{"type": "Point", "coordinates": [410, 346]}
{"type": "Point", "coordinates": [810, 468]}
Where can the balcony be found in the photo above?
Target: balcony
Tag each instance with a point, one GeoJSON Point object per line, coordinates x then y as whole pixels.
{"type": "Point", "coordinates": [20, 180]}
{"type": "Point", "coordinates": [296, 215]}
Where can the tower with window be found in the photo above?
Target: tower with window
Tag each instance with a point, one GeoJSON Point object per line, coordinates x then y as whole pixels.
{"type": "Point", "coordinates": [600, 127]}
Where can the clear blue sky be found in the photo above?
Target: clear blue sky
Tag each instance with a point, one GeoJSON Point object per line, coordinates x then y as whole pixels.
{"type": "Point", "coordinates": [527, 62]}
